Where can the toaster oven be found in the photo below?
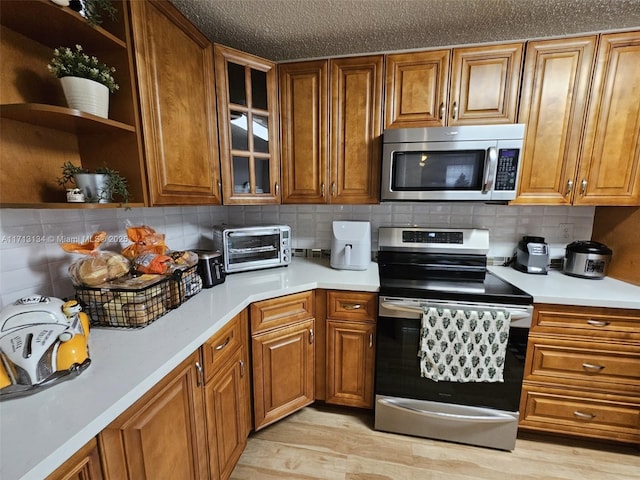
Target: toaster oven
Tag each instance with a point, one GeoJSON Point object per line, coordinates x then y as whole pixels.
{"type": "Point", "coordinates": [253, 248]}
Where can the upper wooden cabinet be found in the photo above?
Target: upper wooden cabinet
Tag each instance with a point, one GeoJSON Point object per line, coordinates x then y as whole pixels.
{"type": "Point", "coordinates": [39, 132]}
{"type": "Point", "coordinates": [482, 87]}
{"type": "Point", "coordinates": [247, 99]}
{"type": "Point", "coordinates": [609, 168]}
{"type": "Point", "coordinates": [174, 67]}
{"type": "Point", "coordinates": [565, 160]}
{"type": "Point", "coordinates": [331, 125]}
{"type": "Point", "coordinates": [553, 102]}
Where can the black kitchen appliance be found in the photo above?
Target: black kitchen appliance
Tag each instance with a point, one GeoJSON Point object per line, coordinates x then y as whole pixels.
{"type": "Point", "coordinates": [532, 255]}
{"type": "Point", "coordinates": [428, 269]}
{"type": "Point", "coordinates": [210, 268]}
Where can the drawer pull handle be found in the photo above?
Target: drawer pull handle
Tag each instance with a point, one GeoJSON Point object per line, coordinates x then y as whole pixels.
{"type": "Point", "coordinates": [242, 368]}
{"type": "Point", "coordinates": [591, 367]}
{"type": "Point", "coordinates": [311, 336]}
{"type": "Point", "coordinates": [351, 306]}
{"type": "Point", "coordinates": [586, 416]}
{"type": "Point", "coordinates": [224, 344]}
{"type": "Point", "coordinates": [200, 376]}
{"type": "Point", "coordinates": [598, 323]}
{"type": "Point", "coordinates": [371, 340]}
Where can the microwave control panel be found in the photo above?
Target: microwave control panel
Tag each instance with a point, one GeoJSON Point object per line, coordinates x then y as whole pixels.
{"type": "Point", "coordinates": [507, 169]}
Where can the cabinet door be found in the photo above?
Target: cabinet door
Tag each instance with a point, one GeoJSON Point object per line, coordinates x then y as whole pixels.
{"type": "Point", "coordinates": [174, 63]}
{"type": "Point", "coordinates": [417, 88]}
{"type": "Point", "coordinates": [227, 403]}
{"type": "Point", "coordinates": [163, 435]}
{"type": "Point", "coordinates": [557, 74]}
{"type": "Point", "coordinates": [304, 122]}
{"type": "Point", "coordinates": [247, 96]}
{"type": "Point", "coordinates": [83, 465]}
{"type": "Point", "coordinates": [350, 363]}
{"type": "Point", "coordinates": [283, 372]}
{"type": "Point", "coordinates": [356, 96]}
{"type": "Point", "coordinates": [610, 160]}
{"type": "Point", "coordinates": [485, 83]}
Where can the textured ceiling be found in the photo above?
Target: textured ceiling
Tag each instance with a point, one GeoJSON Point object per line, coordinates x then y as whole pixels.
{"type": "Point", "coordinates": [296, 29]}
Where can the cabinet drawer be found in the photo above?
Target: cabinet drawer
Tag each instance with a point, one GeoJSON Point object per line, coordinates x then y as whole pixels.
{"type": "Point", "coordinates": [352, 306]}
{"type": "Point", "coordinates": [282, 311]}
{"type": "Point", "coordinates": [591, 365]}
{"type": "Point", "coordinates": [612, 323]}
{"type": "Point", "coordinates": [613, 417]}
{"type": "Point", "coordinates": [222, 345]}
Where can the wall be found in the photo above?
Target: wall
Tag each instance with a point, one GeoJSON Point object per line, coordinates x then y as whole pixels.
{"type": "Point", "coordinates": [619, 229]}
{"type": "Point", "coordinates": [32, 262]}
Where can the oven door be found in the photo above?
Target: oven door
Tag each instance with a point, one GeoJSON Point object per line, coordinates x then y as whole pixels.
{"type": "Point", "coordinates": [398, 365]}
{"type": "Point", "coordinates": [252, 249]}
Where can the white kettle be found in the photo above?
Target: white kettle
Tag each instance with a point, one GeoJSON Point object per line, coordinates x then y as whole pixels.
{"type": "Point", "coordinates": [351, 245]}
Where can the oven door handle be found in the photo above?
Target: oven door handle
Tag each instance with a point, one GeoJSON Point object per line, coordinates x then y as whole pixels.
{"type": "Point", "coordinates": [515, 314]}
{"type": "Point", "coordinates": [494, 417]}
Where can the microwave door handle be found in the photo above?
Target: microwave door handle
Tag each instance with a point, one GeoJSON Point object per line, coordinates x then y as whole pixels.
{"type": "Point", "coordinates": [490, 170]}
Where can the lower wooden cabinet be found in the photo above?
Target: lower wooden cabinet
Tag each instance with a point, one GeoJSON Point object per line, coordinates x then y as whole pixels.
{"type": "Point", "coordinates": [350, 348]}
{"type": "Point", "coordinates": [227, 398]}
{"type": "Point", "coordinates": [163, 435]}
{"type": "Point", "coordinates": [282, 356]}
{"type": "Point", "coordinates": [83, 465]}
{"type": "Point", "coordinates": [582, 373]}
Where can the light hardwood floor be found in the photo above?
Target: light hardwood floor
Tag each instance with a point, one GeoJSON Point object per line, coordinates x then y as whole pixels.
{"type": "Point", "coordinates": [334, 444]}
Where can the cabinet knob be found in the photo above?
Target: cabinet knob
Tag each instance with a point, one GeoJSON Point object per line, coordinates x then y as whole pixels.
{"type": "Point", "coordinates": [585, 416]}
{"type": "Point", "coordinates": [583, 186]}
{"type": "Point", "coordinates": [590, 367]}
{"type": "Point", "coordinates": [569, 187]}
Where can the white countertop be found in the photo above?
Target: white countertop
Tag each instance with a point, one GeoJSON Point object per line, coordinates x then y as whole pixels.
{"type": "Point", "coordinates": [558, 288]}
{"type": "Point", "coordinates": [39, 432]}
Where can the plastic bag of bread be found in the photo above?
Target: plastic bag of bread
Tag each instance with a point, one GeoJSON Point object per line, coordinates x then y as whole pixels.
{"type": "Point", "coordinates": [183, 259]}
{"type": "Point", "coordinates": [152, 263]}
{"type": "Point", "coordinates": [145, 240]}
{"type": "Point", "coordinates": [95, 267]}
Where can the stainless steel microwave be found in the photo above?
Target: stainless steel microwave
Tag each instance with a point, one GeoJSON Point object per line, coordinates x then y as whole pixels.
{"type": "Point", "coordinates": [473, 163]}
{"type": "Point", "coordinates": [253, 248]}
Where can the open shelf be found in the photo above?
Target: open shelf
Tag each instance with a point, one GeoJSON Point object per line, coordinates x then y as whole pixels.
{"type": "Point", "coordinates": [50, 24]}
{"type": "Point", "coordinates": [61, 118]}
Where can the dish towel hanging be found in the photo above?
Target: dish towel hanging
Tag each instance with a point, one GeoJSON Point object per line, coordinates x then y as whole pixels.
{"type": "Point", "coordinates": [463, 345]}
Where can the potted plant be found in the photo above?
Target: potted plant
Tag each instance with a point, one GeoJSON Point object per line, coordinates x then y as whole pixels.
{"type": "Point", "coordinates": [91, 10]}
{"type": "Point", "coordinates": [86, 81]}
{"type": "Point", "coordinates": [99, 186]}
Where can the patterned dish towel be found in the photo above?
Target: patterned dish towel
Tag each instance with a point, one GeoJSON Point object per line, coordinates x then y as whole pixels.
{"type": "Point", "coordinates": [463, 345]}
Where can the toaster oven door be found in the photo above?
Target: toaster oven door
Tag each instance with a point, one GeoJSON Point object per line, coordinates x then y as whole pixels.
{"type": "Point", "coordinates": [251, 250]}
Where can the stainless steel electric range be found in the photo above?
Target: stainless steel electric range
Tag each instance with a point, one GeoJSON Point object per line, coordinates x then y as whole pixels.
{"type": "Point", "coordinates": [440, 276]}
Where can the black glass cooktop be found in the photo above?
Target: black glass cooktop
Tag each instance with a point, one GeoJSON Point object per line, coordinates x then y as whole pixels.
{"type": "Point", "coordinates": [491, 290]}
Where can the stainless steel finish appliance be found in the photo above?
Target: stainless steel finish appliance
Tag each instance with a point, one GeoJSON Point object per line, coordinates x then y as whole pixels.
{"type": "Point", "coordinates": [422, 268]}
{"type": "Point", "coordinates": [473, 163]}
{"type": "Point", "coordinates": [253, 248]}
{"type": "Point", "coordinates": [532, 255]}
{"type": "Point", "coordinates": [586, 259]}
{"type": "Point", "coordinates": [210, 267]}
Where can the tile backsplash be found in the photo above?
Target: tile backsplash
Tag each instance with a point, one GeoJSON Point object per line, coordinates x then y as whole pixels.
{"type": "Point", "coordinates": [32, 262]}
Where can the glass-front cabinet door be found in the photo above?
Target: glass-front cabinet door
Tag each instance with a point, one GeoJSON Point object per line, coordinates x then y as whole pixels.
{"type": "Point", "coordinates": [247, 109]}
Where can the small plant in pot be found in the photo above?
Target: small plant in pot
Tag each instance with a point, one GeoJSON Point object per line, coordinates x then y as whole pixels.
{"type": "Point", "coordinates": [99, 186]}
{"type": "Point", "coordinates": [86, 81]}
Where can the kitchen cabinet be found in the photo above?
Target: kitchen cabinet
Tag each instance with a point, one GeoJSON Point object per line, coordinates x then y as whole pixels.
{"type": "Point", "coordinates": [227, 399]}
{"type": "Point", "coordinates": [481, 88]}
{"type": "Point", "coordinates": [609, 165]}
{"type": "Point", "coordinates": [174, 69]}
{"type": "Point", "coordinates": [283, 348]}
{"type": "Point", "coordinates": [330, 129]}
{"type": "Point", "coordinates": [582, 373]}
{"type": "Point", "coordinates": [350, 348]}
{"type": "Point", "coordinates": [553, 103]}
{"type": "Point", "coordinates": [39, 133]}
{"type": "Point", "coordinates": [83, 465]}
{"type": "Point", "coordinates": [247, 102]}
{"type": "Point", "coordinates": [164, 434]}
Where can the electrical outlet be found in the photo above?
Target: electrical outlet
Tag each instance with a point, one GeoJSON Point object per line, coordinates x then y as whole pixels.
{"type": "Point", "coordinates": [566, 231]}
